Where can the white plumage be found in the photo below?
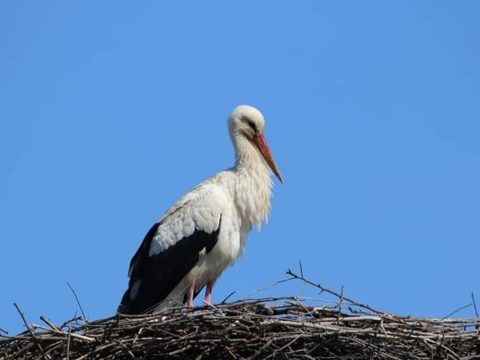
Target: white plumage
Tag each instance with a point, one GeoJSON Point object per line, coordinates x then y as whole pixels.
{"type": "Point", "coordinates": [206, 230]}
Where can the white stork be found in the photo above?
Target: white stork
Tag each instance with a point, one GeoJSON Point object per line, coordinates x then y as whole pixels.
{"type": "Point", "coordinates": [206, 230]}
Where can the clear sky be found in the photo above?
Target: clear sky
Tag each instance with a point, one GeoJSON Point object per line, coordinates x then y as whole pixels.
{"type": "Point", "coordinates": [111, 110]}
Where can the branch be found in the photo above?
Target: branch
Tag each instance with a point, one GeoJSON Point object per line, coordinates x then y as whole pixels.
{"type": "Point", "coordinates": [331, 292]}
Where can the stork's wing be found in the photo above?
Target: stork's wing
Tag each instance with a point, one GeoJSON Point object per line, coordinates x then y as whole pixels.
{"type": "Point", "coordinates": [171, 248]}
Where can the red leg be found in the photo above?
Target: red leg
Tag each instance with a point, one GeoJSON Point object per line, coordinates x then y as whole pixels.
{"type": "Point", "coordinates": [190, 292]}
{"type": "Point", "coordinates": [208, 292]}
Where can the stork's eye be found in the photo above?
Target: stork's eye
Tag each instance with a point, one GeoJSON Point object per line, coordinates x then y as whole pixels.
{"type": "Point", "coordinates": [251, 124]}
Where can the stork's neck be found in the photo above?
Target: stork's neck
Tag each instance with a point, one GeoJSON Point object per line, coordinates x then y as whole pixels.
{"type": "Point", "coordinates": [253, 183]}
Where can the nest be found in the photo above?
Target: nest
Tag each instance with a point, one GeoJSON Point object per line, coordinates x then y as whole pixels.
{"type": "Point", "coordinates": [267, 328]}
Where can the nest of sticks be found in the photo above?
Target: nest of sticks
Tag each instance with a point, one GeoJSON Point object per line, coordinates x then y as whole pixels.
{"type": "Point", "coordinates": [267, 328]}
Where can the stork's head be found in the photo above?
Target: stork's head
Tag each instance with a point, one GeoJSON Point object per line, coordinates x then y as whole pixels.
{"type": "Point", "coordinates": [247, 122]}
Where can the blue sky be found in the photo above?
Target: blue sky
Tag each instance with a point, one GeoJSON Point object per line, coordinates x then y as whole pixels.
{"type": "Point", "coordinates": [111, 110]}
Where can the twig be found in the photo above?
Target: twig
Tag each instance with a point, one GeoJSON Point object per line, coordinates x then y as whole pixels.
{"type": "Point", "coordinates": [475, 305]}
{"type": "Point", "coordinates": [456, 311]}
{"type": "Point", "coordinates": [78, 301]}
{"type": "Point", "coordinates": [228, 297]}
{"type": "Point", "coordinates": [302, 305]}
{"type": "Point", "coordinates": [261, 350]}
{"type": "Point", "coordinates": [331, 292]}
{"type": "Point", "coordinates": [268, 287]}
{"type": "Point", "coordinates": [284, 347]}
{"type": "Point", "coordinates": [68, 342]}
{"type": "Point", "coordinates": [71, 321]}
{"type": "Point", "coordinates": [340, 302]}
{"type": "Point", "coordinates": [45, 356]}
{"type": "Point", "coordinates": [49, 323]}
{"type": "Point", "coordinates": [212, 306]}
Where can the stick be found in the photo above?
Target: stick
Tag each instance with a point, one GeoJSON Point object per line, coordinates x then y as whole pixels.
{"type": "Point", "coordinates": [45, 356]}
{"type": "Point", "coordinates": [456, 311]}
{"type": "Point", "coordinates": [340, 303]}
{"type": "Point", "coordinates": [331, 292]}
{"type": "Point", "coordinates": [68, 342]}
{"type": "Point", "coordinates": [49, 323]}
{"type": "Point", "coordinates": [475, 305]}
{"type": "Point", "coordinates": [268, 287]}
{"type": "Point", "coordinates": [301, 267]}
{"type": "Point", "coordinates": [78, 301]}
{"type": "Point", "coordinates": [228, 296]}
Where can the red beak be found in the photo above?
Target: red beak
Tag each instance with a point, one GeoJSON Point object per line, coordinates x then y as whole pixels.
{"type": "Point", "coordinates": [261, 143]}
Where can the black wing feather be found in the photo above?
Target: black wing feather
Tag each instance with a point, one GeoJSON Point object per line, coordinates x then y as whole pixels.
{"type": "Point", "coordinates": [159, 274]}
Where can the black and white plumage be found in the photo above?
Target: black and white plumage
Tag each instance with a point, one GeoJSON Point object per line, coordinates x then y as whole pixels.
{"type": "Point", "coordinates": [206, 230]}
